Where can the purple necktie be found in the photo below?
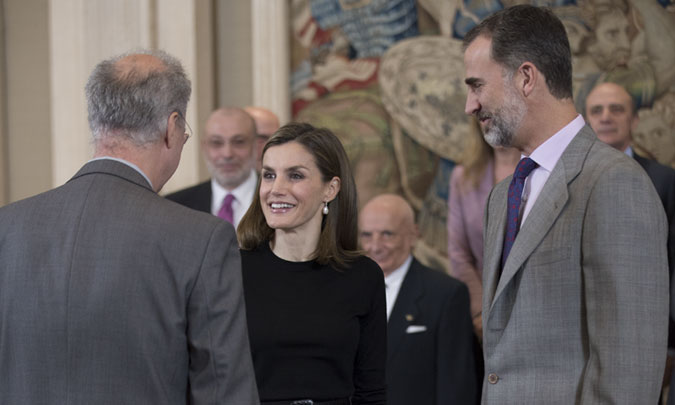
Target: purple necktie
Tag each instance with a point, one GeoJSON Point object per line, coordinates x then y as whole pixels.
{"type": "Point", "coordinates": [525, 166]}
{"type": "Point", "coordinates": [225, 211]}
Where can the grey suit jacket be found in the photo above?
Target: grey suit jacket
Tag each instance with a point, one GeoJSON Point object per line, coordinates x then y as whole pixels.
{"type": "Point", "coordinates": [579, 315]}
{"type": "Point", "coordinates": [110, 294]}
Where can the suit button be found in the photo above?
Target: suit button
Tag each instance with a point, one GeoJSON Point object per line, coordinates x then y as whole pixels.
{"type": "Point", "coordinates": [493, 378]}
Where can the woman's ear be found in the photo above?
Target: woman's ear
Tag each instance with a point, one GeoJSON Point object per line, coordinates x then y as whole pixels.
{"type": "Point", "coordinates": [333, 189]}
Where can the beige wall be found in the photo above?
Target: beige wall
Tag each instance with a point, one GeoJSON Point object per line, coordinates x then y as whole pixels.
{"type": "Point", "coordinates": [233, 60]}
{"type": "Point", "coordinates": [3, 120]}
{"type": "Point", "coordinates": [26, 98]}
{"type": "Point", "coordinates": [49, 48]}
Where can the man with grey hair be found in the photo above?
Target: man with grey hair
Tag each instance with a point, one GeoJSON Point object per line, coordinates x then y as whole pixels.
{"type": "Point", "coordinates": [110, 294]}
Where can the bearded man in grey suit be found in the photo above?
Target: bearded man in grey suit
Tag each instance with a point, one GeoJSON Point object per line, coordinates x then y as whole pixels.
{"type": "Point", "coordinates": [110, 294]}
{"type": "Point", "coordinates": [575, 306]}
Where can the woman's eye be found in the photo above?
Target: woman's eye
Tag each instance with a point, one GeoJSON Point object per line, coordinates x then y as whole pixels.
{"type": "Point", "coordinates": [296, 176]}
{"type": "Point", "coordinates": [268, 175]}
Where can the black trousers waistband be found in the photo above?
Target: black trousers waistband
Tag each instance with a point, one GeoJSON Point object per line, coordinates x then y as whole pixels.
{"type": "Point", "coordinates": [342, 401]}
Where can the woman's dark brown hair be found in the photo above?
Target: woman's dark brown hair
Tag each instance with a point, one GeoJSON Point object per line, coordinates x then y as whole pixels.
{"type": "Point", "coordinates": [338, 239]}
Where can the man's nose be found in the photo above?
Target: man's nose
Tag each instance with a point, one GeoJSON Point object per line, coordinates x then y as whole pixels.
{"type": "Point", "coordinates": [375, 243]}
{"type": "Point", "coordinates": [472, 105]}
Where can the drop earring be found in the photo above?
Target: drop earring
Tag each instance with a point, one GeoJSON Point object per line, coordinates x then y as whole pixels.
{"type": "Point", "coordinates": [325, 208]}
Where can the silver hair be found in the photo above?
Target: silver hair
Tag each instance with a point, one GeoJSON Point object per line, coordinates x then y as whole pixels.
{"type": "Point", "coordinates": [135, 105]}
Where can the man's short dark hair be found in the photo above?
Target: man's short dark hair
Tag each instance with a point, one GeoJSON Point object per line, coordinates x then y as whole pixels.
{"type": "Point", "coordinates": [526, 33]}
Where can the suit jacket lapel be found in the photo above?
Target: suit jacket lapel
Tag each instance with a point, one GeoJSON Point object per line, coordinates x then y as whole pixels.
{"type": "Point", "coordinates": [493, 240]}
{"type": "Point", "coordinates": [547, 208]}
{"type": "Point", "coordinates": [405, 311]}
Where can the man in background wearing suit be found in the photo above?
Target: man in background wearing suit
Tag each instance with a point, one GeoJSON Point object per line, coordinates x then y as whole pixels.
{"type": "Point", "coordinates": [430, 340]}
{"type": "Point", "coordinates": [266, 124]}
{"type": "Point", "coordinates": [575, 306]}
{"type": "Point", "coordinates": [110, 294]}
{"type": "Point", "coordinates": [229, 148]}
{"type": "Point", "coordinates": [611, 113]}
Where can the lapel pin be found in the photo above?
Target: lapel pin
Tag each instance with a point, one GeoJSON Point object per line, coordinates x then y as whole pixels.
{"type": "Point", "coordinates": [409, 317]}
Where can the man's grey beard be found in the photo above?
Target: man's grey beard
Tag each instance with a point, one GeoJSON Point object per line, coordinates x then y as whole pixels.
{"type": "Point", "coordinates": [505, 121]}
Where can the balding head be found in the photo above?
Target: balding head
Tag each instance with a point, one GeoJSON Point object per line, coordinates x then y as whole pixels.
{"type": "Point", "coordinates": [130, 97]}
{"type": "Point", "coordinates": [611, 113]}
{"type": "Point", "coordinates": [387, 231]}
{"type": "Point", "coordinates": [266, 123]}
{"type": "Point", "coordinates": [229, 146]}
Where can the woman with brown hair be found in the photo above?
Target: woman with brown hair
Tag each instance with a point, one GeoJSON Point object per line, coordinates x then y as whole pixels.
{"type": "Point", "coordinates": [470, 185]}
{"type": "Point", "coordinates": [315, 305]}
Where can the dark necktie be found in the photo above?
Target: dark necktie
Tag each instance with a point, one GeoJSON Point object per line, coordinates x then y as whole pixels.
{"type": "Point", "coordinates": [525, 166]}
{"type": "Point", "coordinates": [225, 211]}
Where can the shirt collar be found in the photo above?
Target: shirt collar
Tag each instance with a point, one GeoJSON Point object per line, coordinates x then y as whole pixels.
{"type": "Point", "coordinates": [128, 163]}
{"type": "Point", "coordinates": [549, 152]}
{"type": "Point", "coordinates": [397, 276]}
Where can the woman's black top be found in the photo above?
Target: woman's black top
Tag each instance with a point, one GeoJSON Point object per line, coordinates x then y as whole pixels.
{"type": "Point", "coordinates": [316, 332]}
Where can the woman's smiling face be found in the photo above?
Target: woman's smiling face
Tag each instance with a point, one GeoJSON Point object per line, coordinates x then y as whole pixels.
{"type": "Point", "coordinates": [292, 190]}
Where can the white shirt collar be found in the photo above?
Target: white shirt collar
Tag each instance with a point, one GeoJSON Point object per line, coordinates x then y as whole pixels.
{"type": "Point", "coordinates": [549, 152]}
{"type": "Point", "coordinates": [126, 162]}
{"type": "Point", "coordinates": [547, 156]}
{"type": "Point", "coordinates": [243, 195]}
{"type": "Point", "coordinates": [393, 282]}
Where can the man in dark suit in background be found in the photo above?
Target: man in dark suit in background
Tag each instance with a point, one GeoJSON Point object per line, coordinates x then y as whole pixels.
{"type": "Point", "coordinates": [110, 294]}
{"type": "Point", "coordinates": [230, 153]}
{"type": "Point", "coordinates": [430, 340]}
{"type": "Point", "coordinates": [610, 111]}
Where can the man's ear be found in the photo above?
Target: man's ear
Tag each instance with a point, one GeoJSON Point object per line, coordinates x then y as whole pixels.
{"type": "Point", "coordinates": [416, 234]}
{"type": "Point", "coordinates": [171, 139]}
{"type": "Point", "coordinates": [635, 120]}
{"type": "Point", "coordinates": [528, 76]}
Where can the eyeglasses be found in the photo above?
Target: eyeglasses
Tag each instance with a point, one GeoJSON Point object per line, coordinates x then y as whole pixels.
{"type": "Point", "coordinates": [188, 129]}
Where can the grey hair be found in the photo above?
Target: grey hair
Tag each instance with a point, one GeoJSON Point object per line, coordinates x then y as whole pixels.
{"type": "Point", "coordinates": [135, 104]}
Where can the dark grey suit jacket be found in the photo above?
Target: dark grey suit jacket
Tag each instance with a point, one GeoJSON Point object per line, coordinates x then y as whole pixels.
{"type": "Point", "coordinates": [579, 314]}
{"type": "Point", "coordinates": [430, 341]}
{"type": "Point", "coordinates": [196, 197]}
{"type": "Point", "coordinates": [663, 178]}
{"type": "Point", "coordinates": [110, 294]}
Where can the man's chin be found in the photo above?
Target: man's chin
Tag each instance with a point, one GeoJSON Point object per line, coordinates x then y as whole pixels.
{"type": "Point", "coordinates": [495, 140]}
{"type": "Point", "coordinates": [231, 180]}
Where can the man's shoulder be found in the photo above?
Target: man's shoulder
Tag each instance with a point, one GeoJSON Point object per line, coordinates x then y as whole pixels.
{"type": "Point", "coordinates": [14, 209]}
{"type": "Point", "coordinates": [190, 192]}
{"type": "Point", "coordinates": [197, 197]}
{"type": "Point", "coordinates": [435, 279]}
{"type": "Point", "coordinates": [656, 170]}
{"type": "Point", "coordinates": [605, 161]}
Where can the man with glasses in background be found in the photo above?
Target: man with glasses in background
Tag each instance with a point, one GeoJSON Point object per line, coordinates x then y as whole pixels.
{"type": "Point", "coordinates": [230, 155]}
